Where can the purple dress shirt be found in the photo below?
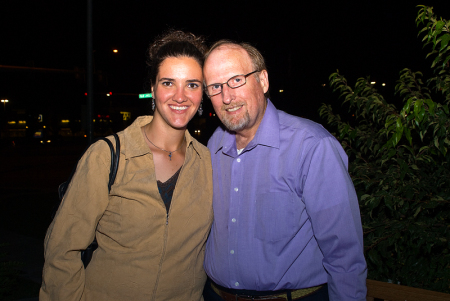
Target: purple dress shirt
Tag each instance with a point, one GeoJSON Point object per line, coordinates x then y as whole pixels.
{"type": "Point", "coordinates": [286, 215]}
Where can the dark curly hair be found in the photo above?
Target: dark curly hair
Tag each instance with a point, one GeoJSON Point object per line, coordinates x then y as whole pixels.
{"type": "Point", "coordinates": [174, 43]}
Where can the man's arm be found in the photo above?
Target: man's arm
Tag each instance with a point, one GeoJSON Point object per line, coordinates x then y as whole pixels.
{"type": "Point", "coordinates": [333, 207]}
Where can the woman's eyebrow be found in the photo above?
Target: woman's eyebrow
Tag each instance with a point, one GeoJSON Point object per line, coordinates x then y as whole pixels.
{"type": "Point", "coordinates": [166, 78]}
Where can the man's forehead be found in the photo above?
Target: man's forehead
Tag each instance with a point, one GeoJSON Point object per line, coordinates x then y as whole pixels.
{"type": "Point", "coordinates": [227, 60]}
{"type": "Point", "coordinates": [232, 52]}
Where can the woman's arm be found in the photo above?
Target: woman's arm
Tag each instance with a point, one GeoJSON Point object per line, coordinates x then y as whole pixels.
{"type": "Point", "coordinates": [74, 225]}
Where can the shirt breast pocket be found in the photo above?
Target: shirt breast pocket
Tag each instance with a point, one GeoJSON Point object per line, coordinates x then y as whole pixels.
{"type": "Point", "coordinates": [277, 215]}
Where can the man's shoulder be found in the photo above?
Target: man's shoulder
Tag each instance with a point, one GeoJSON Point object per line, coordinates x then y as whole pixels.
{"type": "Point", "coordinates": [302, 126]}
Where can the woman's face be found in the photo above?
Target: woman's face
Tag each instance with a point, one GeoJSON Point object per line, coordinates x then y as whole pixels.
{"type": "Point", "coordinates": [178, 91]}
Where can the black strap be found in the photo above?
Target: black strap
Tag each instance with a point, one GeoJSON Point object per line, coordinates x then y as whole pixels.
{"type": "Point", "coordinates": [114, 160]}
{"type": "Point", "coordinates": [112, 172]}
{"type": "Point", "coordinates": [86, 255]}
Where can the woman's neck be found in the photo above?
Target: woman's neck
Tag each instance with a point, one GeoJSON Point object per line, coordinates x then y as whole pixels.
{"type": "Point", "coordinates": [164, 137]}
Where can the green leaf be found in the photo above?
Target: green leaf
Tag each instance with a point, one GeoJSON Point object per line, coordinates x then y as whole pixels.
{"type": "Point", "coordinates": [399, 123]}
{"type": "Point", "coordinates": [344, 132]}
{"type": "Point", "coordinates": [431, 105]}
{"type": "Point", "coordinates": [391, 152]}
{"type": "Point", "coordinates": [445, 61]}
{"type": "Point", "coordinates": [417, 107]}
{"type": "Point", "coordinates": [444, 41]}
{"type": "Point", "coordinates": [436, 60]}
{"type": "Point", "coordinates": [417, 211]}
{"type": "Point", "coordinates": [408, 135]}
{"type": "Point", "coordinates": [423, 148]}
{"type": "Point", "coordinates": [365, 196]}
{"type": "Point", "coordinates": [436, 142]}
{"type": "Point", "coordinates": [439, 26]}
{"type": "Point", "coordinates": [445, 107]}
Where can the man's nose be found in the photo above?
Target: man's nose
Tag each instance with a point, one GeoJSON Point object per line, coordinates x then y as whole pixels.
{"type": "Point", "coordinates": [227, 94]}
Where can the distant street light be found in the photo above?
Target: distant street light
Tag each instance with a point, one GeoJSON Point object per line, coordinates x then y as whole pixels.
{"type": "Point", "coordinates": [4, 103]}
{"type": "Point", "coordinates": [115, 50]}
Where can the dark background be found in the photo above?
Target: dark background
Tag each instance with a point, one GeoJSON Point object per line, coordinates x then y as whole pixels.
{"type": "Point", "coordinates": [303, 44]}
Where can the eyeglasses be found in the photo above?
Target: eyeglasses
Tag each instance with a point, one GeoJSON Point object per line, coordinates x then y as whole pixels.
{"type": "Point", "coordinates": [234, 82]}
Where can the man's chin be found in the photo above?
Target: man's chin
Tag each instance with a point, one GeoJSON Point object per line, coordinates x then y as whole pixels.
{"type": "Point", "coordinates": [235, 125]}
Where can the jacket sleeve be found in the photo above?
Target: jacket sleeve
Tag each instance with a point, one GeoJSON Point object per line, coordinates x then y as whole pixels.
{"type": "Point", "coordinates": [333, 207]}
{"type": "Point", "coordinates": [74, 225]}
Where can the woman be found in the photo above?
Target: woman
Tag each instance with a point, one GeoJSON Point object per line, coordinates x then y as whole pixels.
{"type": "Point", "coordinates": [151, 232]}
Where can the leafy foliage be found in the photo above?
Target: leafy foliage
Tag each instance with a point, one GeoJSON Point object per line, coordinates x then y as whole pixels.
{"type": "Point", "coordinates": [399, 163]}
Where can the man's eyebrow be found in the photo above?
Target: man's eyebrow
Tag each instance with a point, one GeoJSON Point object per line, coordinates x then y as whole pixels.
{"type": "Point", "coordinates": [214, 84]}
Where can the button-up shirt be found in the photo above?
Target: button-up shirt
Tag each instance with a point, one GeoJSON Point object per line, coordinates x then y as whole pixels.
{"type": "Point", "coordinates": [286, 214]}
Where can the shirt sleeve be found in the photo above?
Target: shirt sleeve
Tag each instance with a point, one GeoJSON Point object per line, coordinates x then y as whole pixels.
{"type": "Point", "coordinates": [74, 225]}
{"type": "Point", "coordinates": [333, 208]}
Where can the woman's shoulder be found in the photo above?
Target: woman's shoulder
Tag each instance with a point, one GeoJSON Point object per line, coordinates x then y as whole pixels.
{"type": "Point", "coordinates": [100, 151]}
{"type": "Point", "coordinates": [201, 149]}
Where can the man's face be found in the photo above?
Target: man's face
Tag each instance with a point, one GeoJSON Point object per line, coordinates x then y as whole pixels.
{"type": "Point", "coordinates": [241, 109]}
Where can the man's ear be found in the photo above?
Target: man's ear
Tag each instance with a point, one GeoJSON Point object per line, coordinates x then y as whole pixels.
{"type": "Point", "coordinates": [264, 80]}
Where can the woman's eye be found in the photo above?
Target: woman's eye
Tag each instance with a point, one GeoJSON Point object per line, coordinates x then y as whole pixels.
{"type": "Point", "coordinates": [167, 84]}
{"type": "Point", "coordinates": [193, 85]}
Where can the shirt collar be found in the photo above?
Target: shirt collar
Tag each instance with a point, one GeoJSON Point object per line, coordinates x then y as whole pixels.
{"type": "Point", "coordinates": [135, 144]}
{"type": "Point", "coordinates": [268, 133]}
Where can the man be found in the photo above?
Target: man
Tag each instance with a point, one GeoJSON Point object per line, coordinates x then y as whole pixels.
{"type": "Point", "coordinates": [286, 218]}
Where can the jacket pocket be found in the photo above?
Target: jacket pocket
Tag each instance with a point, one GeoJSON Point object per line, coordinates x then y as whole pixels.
{"type": "Point", "coordinates": [277, 215]}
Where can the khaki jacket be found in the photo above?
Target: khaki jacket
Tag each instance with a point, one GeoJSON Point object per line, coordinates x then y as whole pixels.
{"type": "Point", "coordinates": [144, 253]}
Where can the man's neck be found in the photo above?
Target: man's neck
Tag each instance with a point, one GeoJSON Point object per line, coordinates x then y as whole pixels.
{"type": "Point", "coordinates": [242, 142]}
{"type": "Point", "coordinates": [243, 138]}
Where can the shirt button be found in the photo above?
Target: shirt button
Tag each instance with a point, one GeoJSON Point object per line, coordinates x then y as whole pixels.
{"type": "Point", "coordinates": [239, 160]}
{"type": "Point", "coordinates": [236, 283]}
{"type": "Point", "coordinates": [233, 220]}
{"type": "Point", "coordinates": [232, 252]}
{"type": "Point", "coordinates": [236, 189]}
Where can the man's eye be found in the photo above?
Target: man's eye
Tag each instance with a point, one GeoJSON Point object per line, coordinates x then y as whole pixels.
{"type": "Point", "coordinates": [215, 86]}
{"type": "Point", "coordinates": [235, 81]}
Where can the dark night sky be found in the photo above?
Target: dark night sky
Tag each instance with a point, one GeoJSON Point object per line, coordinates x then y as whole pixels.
{"type": "Point", "coordinates": [303, 45]}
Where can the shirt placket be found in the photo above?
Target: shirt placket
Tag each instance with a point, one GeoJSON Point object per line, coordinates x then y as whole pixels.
{"type": "Point", "coordinates": [233, 220]}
